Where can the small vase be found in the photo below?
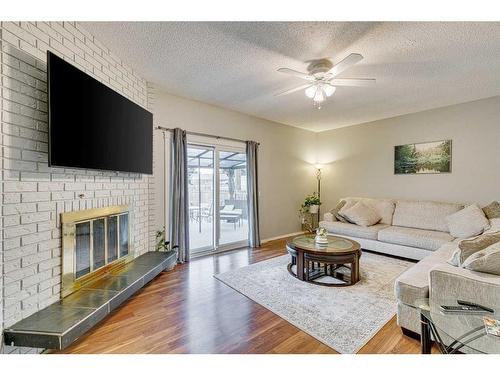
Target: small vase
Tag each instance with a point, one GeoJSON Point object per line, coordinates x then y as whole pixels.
{"type": "Point", "coordinates": [313, 209]}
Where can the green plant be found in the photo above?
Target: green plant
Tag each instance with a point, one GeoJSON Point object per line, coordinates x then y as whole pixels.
{"type": "Point", "coordinates": [311, 200]}
{"type": "Point", "coordinates": [161, 244]}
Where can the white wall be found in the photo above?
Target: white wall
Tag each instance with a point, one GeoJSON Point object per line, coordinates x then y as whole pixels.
{"type": "Point", "coordinates": [34, 195]}
{"type": "Point", "coordinates": [360, 159]}
{"type": "Point", "coordinates": [285, 157]}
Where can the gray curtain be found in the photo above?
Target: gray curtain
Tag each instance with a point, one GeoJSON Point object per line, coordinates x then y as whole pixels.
{"type": "Point", "coordinates": [179, 216]}
{"type": "Point", "coordinates": [253, 194]}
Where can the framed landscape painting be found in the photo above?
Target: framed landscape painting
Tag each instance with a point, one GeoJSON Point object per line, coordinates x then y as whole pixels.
{"type": "Point", "coordinates": [421, 158]}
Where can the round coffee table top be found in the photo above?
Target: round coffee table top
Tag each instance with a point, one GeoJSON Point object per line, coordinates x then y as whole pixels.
{"type": "Point", "coordinates": [335, 245]}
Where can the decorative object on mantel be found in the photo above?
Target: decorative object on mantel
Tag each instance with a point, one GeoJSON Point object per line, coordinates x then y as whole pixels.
{"type": "Point", "coordinates": [321, 237]}
{"type": "Point", "coordinates": [423, 158]}
{"type": "Point", "coordinates": [308, 212]}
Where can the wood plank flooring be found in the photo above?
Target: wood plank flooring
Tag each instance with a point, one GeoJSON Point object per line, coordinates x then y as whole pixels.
{"type": "Point", "coordinates": [188, 311]}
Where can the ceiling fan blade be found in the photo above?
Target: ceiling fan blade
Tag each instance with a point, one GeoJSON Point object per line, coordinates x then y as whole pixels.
{"type": "Point", "coordinates": [349, 61]}
{"type": "Point", "coordinates": [359, 82]}
{"type": "Point", "coordinates": [289, 91]}
{"type": "Point", "coordinates": [296, 73]}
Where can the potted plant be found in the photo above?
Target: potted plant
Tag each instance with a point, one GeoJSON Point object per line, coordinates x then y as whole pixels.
{"type": "Point", "coordinates": [161, 244]}
{"type": "Point", "coordinates": [312, 202]}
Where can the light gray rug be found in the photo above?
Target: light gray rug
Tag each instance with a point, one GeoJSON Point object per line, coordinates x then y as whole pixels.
{"type": "Point", "coordinates": [344, 318]}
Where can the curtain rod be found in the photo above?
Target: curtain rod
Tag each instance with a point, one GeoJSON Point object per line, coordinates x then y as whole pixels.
{"type": "Point", "coordinates": [203, 134]}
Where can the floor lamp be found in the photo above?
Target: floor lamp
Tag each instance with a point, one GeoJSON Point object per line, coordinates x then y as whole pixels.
{"type": "Point", "coordinates": [318, 177]}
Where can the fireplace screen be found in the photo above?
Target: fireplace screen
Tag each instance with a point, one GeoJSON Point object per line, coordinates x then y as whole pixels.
{"type": "Point", "coordinates": [93, 241]}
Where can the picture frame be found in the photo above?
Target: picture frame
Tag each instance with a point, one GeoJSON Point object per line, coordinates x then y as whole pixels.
{"type": "Point", "coordinates": [434, 157]}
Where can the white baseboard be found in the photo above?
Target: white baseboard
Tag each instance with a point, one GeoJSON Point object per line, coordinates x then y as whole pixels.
{"type": "Point", "coordinates": [282, 236]}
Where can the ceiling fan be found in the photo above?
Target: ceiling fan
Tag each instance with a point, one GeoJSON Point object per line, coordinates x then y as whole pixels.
{"type": "Point", "coordinates": [321, 81]}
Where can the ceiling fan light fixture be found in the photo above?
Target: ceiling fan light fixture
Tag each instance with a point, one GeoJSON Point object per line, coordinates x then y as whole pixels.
{"type": "Point", "coordinates": [319, 97]}
{"type": "Point", "coordinates": [311, 91]}
{"type": "Point", "coordinates": [329, 90]}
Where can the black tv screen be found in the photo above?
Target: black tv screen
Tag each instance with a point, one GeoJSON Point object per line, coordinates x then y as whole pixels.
{"type": "Point", "coordinates": [91, 126]}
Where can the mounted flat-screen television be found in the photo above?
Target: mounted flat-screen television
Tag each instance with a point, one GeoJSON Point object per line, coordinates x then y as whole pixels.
{"type": "Point", "coordinates": [93, 127]}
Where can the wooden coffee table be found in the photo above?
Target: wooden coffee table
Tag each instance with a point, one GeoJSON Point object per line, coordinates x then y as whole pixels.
{"type": "Point", "coordinates": [333, 259]}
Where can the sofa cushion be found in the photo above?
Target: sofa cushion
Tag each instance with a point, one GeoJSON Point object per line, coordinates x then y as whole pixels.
{"type": "Point", "coordinates": [335, 211]}
{"type": "Point", "coordinates": [384, 207]}
{"type": "Point", "coordinates": [470, 246]}
{"type": "Point", "coordinates": [492, 211]}
{"type": "Point", "coordinates": [487, 260]}
{"type": "Point", "coordinates": [353, 230]}
{"type": "Point", "coordinates": [467, 222]}
{"type": "Point", "coordinates": [424, 214]}
{"type": "Point", "coordinates": [361, 214]}
{"type": "Point", "coordinates": [424, 239]}
{"type": "Point", "coordinates": [413, 284]}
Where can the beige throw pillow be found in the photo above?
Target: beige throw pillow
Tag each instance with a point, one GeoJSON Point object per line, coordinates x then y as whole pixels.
{"type": "Point", "coordinates": [467, 222]}
{"type": "Point", "coordinates": [340, 215]}
{"type": "Point", "coordinates": [471, 246]}
{"type": "Point", "coordinates": [492, 211]}
{"type": "Point", "coordinates": [361, 214]}
{"type": "Point", "coordinates": [487, 260]}
{"type": "Point", "coordinates": [335, 211]}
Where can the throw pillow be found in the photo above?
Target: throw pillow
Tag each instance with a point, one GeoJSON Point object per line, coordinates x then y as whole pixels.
{"type": "Point", "coordinates": [492, 211]}
{"type": "Point", "coordinates": [361, 214]}
{"type": "Point", "coordinates": [337, 208]}
{"type": "Point", "coordinates": [471, 246]}
{"type": "Point", "coordinates": [340, 215]}
{"type": "Point", "coordinates": [467, 222]}
{"type": "Point", "coordinates": [487, 260]}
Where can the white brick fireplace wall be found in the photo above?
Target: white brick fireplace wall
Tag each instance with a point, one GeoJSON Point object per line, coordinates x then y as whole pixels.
{"type": "Point", "coordinates": [33, 194]}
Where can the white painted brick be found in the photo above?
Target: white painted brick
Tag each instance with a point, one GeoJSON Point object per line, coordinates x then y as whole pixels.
{"type": "Point", "coordinates": [36, 237]}
{"type": "Point", "coordinates": [8, 37]}
{"type": "Point", "coordinates": [19, 186]}
{"type": "Point", "coordinates": [49, 31]}
{"type": "Point", "coordinates": [9, 221]}
{"type": "Point", "coordinates": [62, 195]}
{"type": "Point", "coordinates": [19, 208]}
{"type": "Point", "coordinates": [50, 186]}
{"type": "Point", "coordinates": [36, 258]}
{"type": "Point", "coordinates": [46, 225]}
{"type": "Point", "coordinates": [72, 186]}
{"type": "Point", "coordinates": [11, 198]}
{"type": "Point", "coordinates": [59, 27]}
{"type": "Point", "coordinates": [35, 217]}
{"type": "Point", "coordinates": [34, 195]}
{"type": "Point", "coordinates": [18, 231]}
{"type": "Point", "coordinates": [27, 47]}
{"type": "Point", "coordinates": [19, 32]}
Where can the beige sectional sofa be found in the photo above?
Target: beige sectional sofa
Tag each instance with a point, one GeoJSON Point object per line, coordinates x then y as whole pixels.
{"type": "Point", "coordinates": [418, 230]}
{"type": "Point", "coordinates": [410, 229]}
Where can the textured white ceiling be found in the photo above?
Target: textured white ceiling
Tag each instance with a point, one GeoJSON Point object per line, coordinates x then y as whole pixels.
{"type": "Point", "coordinates": [418, 65]}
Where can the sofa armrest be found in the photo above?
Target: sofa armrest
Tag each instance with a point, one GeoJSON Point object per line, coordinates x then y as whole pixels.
{"type": "Point", "coordinates": [447, 281]}
{"type": "Point", "coordinates": [329, 217]}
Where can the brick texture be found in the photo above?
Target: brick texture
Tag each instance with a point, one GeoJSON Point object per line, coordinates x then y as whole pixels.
{"type": "Point", "coordinates": [34, 195]}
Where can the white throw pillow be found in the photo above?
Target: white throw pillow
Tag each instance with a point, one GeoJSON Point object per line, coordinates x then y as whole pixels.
{"type": "Point", "coordinates": [361, 214]}
{"type": "Point", "coordinates": [487, 260]}
{"type": "Point", "coordinates": [467, 222]}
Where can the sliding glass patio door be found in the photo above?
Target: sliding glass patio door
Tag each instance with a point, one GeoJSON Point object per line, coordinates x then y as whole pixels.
{"type": "Point", "coordinates": [217, 185]}
{"type": "Point", "coordinates": [232, 183]}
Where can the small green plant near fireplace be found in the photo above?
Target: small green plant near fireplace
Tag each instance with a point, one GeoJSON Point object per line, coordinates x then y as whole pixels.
{"type": "Point", "coordinates": [161, 243]}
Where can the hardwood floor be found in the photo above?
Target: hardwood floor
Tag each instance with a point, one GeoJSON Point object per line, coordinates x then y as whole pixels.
{"type": "Point", "coordinates": [188, 311]}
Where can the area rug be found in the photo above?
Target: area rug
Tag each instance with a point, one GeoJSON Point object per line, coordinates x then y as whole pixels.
{"type": "Point", "coordinates": [344, 318]}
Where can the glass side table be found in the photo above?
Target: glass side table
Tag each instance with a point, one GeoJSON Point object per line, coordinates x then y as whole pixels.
{"type": "Point", "coordinates": [456, 332]}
